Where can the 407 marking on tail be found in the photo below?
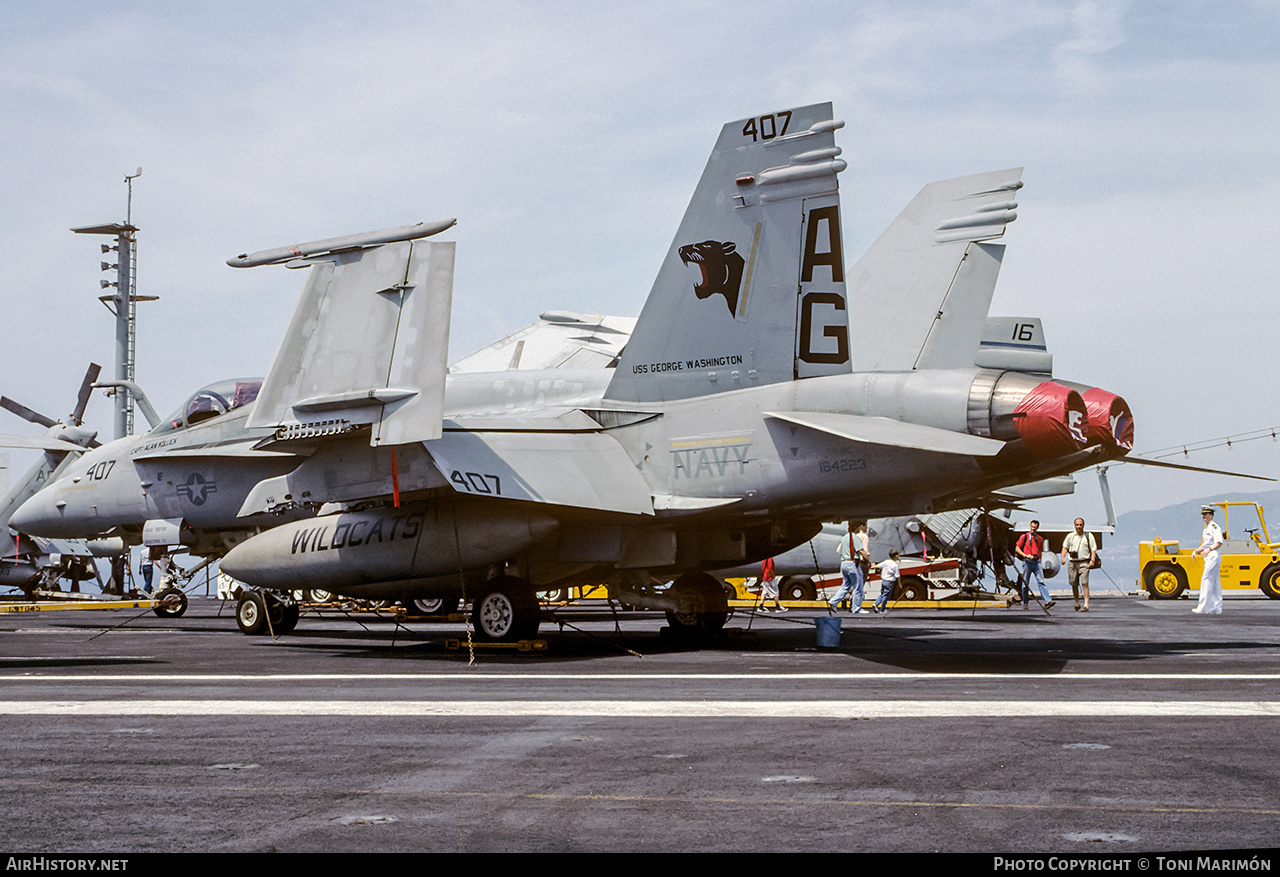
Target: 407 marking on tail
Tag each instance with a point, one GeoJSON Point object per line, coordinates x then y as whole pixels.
{"type": "Point", "coordinates": [477, 482]}
{"type": "Point", "coordinates": [766, 127]}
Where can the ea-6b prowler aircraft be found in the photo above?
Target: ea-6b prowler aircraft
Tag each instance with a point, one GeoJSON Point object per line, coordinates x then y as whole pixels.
{"type": "Point", "coordinates": [741, 413]}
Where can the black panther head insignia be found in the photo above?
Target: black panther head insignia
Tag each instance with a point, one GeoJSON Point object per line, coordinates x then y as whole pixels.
{"type": "Point", "coordinates": [721, 268]}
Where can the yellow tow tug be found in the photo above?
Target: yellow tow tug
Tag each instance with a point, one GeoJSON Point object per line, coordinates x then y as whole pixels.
{"type": "Point", "coordinates": [1249, 561]}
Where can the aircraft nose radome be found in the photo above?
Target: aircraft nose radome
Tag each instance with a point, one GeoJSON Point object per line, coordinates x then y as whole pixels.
{"type": "Point", "coordinates": [1052, 420]}
{"type": "Point", "coordinates": [1110, 420]}
{"type": "Point", "coordinates": [37, 516]}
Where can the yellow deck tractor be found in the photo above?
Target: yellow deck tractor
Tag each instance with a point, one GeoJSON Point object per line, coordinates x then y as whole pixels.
{"type": "Point", "coordinates": [1249, 558]}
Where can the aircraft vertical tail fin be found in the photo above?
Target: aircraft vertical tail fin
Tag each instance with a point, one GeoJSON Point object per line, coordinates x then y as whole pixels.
{"type": "Point", "coordinates": [367, 344]}
{"type": "Point", "coordinates": [919, 295]}
{"type": "Point", "coordinates": [752, 289]}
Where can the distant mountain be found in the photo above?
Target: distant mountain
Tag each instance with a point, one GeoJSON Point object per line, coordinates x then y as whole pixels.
{"type": "Point", "coordinates": [1180, 522]}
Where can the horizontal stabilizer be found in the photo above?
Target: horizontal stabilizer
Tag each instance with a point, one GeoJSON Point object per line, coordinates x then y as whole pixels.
{"type": "Point", "coordinates": [344, 244]}
{"type": "Point", "coordinates": [919, 295]}
{"type": "Point", "coordinates": [558, 340]}
{"type": "Point", "coordinates": [582, 470]}
{"type": "Point", "coordinates": [525, 420]}
{"type": "Point", "coordinates": [367, 344]}
{"type": "Point", "coordinates": [1063, 485]}
{"type": "Point", "coordinates": [884, 431]}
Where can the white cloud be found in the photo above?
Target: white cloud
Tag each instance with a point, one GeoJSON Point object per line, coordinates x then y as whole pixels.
{"type": "Point", "coordinates": [1098, 28]}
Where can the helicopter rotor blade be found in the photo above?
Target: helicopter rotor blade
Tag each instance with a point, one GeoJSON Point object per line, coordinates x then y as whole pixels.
{"type": "Point", "coordinates": [26, 413]}
{"type": "Point", "coordinates": [86, 390]}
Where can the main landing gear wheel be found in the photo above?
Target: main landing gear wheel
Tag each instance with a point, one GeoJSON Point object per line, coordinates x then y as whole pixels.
{"type": "Point", "coordinates": [170, 603]}
{"type": "Point", "coordinates": [255, 607]}
{"type": "Point", "coordinates": [798, 588]}
{"type": "Point", "coordinates": [507, 611]}
{"type": "Point", "coordinates": [430, 606]}
{"type": "Point", "coordinates": [289, 613]}
{"type": "Point", "coordinates": [702, 607]}
{"type": "Point", "coordinates": [1165, 581]}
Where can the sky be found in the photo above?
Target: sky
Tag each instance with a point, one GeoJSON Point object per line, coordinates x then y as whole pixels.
{"type": "Point", "coordinates": [567, 137]}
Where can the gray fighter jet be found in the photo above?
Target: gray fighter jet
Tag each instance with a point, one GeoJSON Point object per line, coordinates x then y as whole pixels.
{"type": "Point", "coordinates": [744, 410]}
{"type": "Point", "coordinates": [33, 562]}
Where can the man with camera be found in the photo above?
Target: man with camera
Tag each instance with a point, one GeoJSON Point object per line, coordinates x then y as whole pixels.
{"type": "Point", "coordinates": [1079, 554]}
{"type": "Point", "coordinates": [1030, 548]}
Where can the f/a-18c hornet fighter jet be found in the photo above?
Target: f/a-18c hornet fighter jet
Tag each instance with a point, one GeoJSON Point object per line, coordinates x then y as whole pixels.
{"type": "Point", "coordinates": [741, 414]}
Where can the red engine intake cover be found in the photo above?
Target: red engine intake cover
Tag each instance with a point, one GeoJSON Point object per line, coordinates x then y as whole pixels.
{"type": "Point", "coordinates": [1110, 420]}
{"type": "Point", "coordinates": [1052, 420]}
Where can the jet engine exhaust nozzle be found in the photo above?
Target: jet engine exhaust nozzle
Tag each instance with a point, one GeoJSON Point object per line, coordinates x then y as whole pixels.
{"type": "Point", "coordinates": [1052, 421]}
{"type": "Point", "coordinates": [1110, 420]}
{"type": "Point", "coordinates": [1049, 418]}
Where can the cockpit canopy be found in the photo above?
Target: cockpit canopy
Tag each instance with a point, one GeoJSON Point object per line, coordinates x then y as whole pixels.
{"type": "Point", "coordinates": [212, 401]}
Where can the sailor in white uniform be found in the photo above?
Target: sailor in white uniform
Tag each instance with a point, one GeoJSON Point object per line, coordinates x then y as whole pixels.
{"type": "Point", "coordinates": [1210, 583]}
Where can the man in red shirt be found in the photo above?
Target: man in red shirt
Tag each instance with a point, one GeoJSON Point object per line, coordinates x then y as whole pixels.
{"type": "Point", "coordinates": [1030, 548]}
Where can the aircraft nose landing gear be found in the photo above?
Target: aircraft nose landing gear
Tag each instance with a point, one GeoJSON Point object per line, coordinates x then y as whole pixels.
{"type": "Point", "coordinates": [170, 603]}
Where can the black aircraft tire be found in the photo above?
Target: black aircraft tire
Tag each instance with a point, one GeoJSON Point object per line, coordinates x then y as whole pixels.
{"type": "Point", "coordinates": [170, 603]}
{"type": "Point", "coordinates": [506, 612]}
{"type": "Point", "coordinates": [798, 588]}
{"type": "Point", "coordinates": [703, 606]}
{"type": "Point", "coordinates": [288, 618]}
{"type": "Point", "coordinates": [1269, 581]}
{"type": "Point", "coordinates": [1165, 581]}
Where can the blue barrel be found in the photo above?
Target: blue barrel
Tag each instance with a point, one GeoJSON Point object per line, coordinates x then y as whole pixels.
{"type": "Point", "coordinates": [828, 631]}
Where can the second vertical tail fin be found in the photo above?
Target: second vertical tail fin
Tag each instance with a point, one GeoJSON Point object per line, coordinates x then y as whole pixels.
{"type": "Point", "coordinates": [920, 293]}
